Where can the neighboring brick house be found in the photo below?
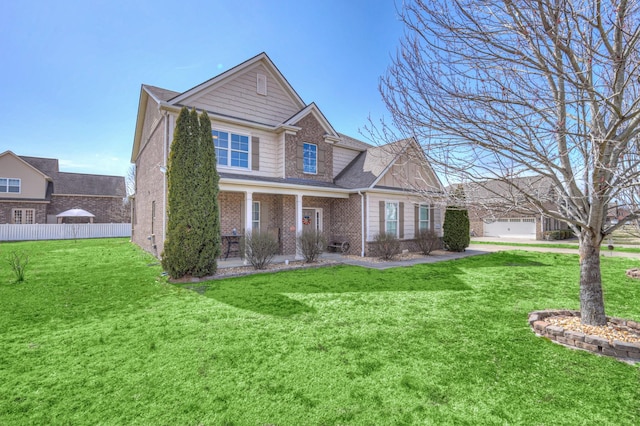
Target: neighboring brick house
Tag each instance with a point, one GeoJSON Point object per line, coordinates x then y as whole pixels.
{"type": "Point", "coordinates": [499, 209]}
{"type": "Point", "coordinates": [283, 167]}
{"type": "Point", "coordinates": [34, 190]}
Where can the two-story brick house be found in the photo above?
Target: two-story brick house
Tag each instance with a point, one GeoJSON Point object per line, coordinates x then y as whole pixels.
{"type": "Point", "coordinates": [283, 167]}
{"type": "Point", "coordinates": [34, 190]}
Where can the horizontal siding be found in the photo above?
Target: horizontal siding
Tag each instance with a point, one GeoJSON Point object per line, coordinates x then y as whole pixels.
{"type": "Point", "coordinates": [341, 158]}
{"type": "Point", "coordinates": [408, 172]}
{"type": "Point", "coordinates": [238, 98]}
{"type": "Point", "coordinates": [409, 214]}
{"type": "Point", "coordinates": [67, 231]}
{"type": "Point", "coordinates": [270, 150]}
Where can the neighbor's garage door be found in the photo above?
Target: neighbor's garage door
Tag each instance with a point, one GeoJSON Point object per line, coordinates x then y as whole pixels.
{"type": "Point", "coordinates": [524, 227]}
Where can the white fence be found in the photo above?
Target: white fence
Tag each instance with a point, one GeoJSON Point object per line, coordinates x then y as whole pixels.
{"type": "Point", "coordinates": [67, 231]}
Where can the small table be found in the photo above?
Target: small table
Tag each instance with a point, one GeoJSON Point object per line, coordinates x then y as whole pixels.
{"type": "Point", "coordinates": [230, 240]}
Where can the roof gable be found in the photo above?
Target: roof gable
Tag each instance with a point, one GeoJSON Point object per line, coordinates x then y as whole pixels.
{"type": "Point", "coordinates": [371, 167]}
{"type": "Point", "coordinates": [33, 162]}
{"type": "Point", "coordinates": [330, 136]}
{"type": "Point", "coordinates": [255, 91]}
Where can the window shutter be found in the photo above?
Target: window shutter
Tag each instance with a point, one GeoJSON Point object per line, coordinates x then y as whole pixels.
{"type": "Point", "coordinates": [401, 220]}
{"type": "Point", "coordinates": [432, 219]}
{"type": "Point", "coordinates": [382, 221]}
{"type": "Point", "coordinates": [416, 219]}
{"type": "Point", "coordinates": [299, 156]}
{"type": "Point", "coordinates": [321, 159]}
{"type": "Point", "coordinates": [255, 153]}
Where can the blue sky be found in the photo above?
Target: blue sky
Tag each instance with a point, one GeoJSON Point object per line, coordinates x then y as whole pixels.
{"type": "Point", "coordinates": [72, 70]}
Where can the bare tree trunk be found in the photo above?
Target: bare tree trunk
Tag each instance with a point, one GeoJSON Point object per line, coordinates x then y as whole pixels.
{"type": "Point", "coordinates": [591, 300]}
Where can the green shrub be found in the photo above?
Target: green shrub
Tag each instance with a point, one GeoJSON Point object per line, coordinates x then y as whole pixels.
{"type": "Point", "coordinates": [456, 229]}
{"type": "Point", "coordinates": [193, 219]}
{"type": "Point", "coordinates": [312, 244]}
{"type": "Point", "coordinates": [259, 248]}
{"type": "Point", "coordinates": [387, 245]}
{"type": "Point", "coordinates": [560, 234]}
{"type": "Point", "coordinates": [427, 241]}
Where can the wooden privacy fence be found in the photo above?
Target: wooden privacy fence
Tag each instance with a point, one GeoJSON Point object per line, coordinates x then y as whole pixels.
{"type": "Point", "coordinates": [66, 231]}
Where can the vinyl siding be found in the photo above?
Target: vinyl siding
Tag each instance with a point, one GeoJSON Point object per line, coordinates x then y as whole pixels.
{"type": "Point", "coordinates": [341, 158]}
{"type": "Point", "coordinates": [238, 98]}
{"type": "Point", "coordinates": [408, 173]}
{"type": "Point", "coordinates": [373, 201]}
{"type": "Point", "coordinates": [32, 183]}
{"type": "Point", "coordinates": [269, 154]}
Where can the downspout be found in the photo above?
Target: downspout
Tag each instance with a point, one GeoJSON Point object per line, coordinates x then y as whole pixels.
{"type": "Point", "coordinates": [164, 180]}
{"type": "Point", "coordinates": [361, 223]}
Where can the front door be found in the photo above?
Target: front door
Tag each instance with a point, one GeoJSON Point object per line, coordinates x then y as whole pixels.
{"type": "Point", "coordinates": [309, 221]}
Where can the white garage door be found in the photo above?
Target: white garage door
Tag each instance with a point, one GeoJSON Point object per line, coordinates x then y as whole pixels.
{"type": "Point", "coordinates": [522, 227]}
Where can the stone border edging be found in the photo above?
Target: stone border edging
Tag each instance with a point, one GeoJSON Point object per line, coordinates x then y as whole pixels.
{"type": "Point", "coordinates": [623, 351]}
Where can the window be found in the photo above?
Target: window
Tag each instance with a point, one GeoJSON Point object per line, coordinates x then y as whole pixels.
{"type": "Point", "coordinates": [10, 185]}
{"type": "Point", "coordinates": [23, 216]}
{"type": "Point", "coordinates": [255, 216]}
{"type": "Point", "coordinates": [423, 219]}
{"type": "Point", "coordinates": [309, 158]}
{"type": "Point", "coordinates": [232, 150]}
{"type": "Point", "coordinates": [391, 218]}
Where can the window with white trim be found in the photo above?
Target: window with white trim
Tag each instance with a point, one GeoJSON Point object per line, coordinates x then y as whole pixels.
{"type": "Point", "coordinates": [423, 217]}
{"type": "Point", "coordinates": [23, 216]}
{"type": "Point", "coordinates": [10, 185]}
{"type": "Point", "coordinates": [255, 216]}
{"type": "Point", "coordinates": [391, 217]}
{"type": "Point", "coordinates": [310, 158]}
{"type": "Point", "coordinates": [232, 150]}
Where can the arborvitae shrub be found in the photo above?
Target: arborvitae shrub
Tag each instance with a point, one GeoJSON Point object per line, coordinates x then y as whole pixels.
{"type": "Point", "coordinates": [192, 242]}
{"type": "Point", "coordinates": [456, 229]}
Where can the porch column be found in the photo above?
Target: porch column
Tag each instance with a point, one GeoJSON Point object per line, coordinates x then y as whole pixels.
{"type": "Point", "coordinates": [298, 225]}
{"type": "Point", "coordinates": [248, 210]}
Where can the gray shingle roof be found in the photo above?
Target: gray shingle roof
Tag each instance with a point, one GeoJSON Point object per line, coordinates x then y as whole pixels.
{"type": "Point", "coordinates": [290, 181]}
{"type": "Point", "coordinates": [160, 93]}
{"type": "Point", "coordinates": [48, 166]}
{"type": "Point", "coordinates": [87, 184]}
{"type": "Point", "coordinates": [369, 165]}
{"type": "Point", "coordinates": [78, 183]}
{"type": "Point", "coordinates": [349, 142]}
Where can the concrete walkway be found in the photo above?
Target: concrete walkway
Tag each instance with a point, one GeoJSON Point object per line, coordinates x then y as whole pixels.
{"type": "Point", "coordinates": [489, 245]}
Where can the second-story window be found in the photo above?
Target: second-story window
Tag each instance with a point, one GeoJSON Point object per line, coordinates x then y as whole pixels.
{"type": "Point", "coordinates": [310, 158]}
{"type": "Point", "coordinates": [10, 185]}
{"type": "Point", "coordinates": [232, 150]}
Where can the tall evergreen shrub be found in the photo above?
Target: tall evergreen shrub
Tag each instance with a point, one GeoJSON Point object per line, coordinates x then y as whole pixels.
{"type": "Point", "coordinates": [456, 223]}
{"type": "Point", "coordinates": [192, 244]}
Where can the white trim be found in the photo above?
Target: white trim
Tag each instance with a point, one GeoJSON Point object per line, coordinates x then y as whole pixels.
{"type": "Point", "coordinates": [319, 216]}
{"type": "Point", "coordinates": [9, 179]}
{"type": "Point", "coordinates": [397, 204]}
{"type": "Point", "coordinates": [253, 204]}
{"type": "Point", "coordinates": [228, 166]}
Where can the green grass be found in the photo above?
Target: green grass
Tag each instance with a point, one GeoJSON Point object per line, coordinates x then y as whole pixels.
{"type": "Point", "coordinates": [93, 335]}
{"type": "Point", "coordinates": [556, 245]}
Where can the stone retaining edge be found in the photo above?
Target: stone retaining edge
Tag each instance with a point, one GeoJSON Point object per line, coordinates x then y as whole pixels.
{"type": "Point", "coordinates": [623, 351]}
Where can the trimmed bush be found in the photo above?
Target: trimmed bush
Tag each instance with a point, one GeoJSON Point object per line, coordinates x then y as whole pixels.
{"type": "Point", "coordinates": [427, 241]}
{"type": "Point", "coordinates": [312, 244]}
{"type": "Point", "coordinates": [560, 234]}
{"type": "Point", "coordinates": [387, 245]}
{"type": "Point", "coordinates": [456, 228]}
{"type": "Point", "coordinates": [259, 248]}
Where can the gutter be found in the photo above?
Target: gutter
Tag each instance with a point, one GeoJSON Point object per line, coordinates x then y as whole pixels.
{"type": "Point", "coordinates": [362, 237]}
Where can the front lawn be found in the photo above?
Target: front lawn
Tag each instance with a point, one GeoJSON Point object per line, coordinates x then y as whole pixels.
{"type": "Point", "coordinates": [94, 335]}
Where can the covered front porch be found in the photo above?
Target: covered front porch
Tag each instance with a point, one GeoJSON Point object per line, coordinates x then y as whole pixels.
{"type": "Point", "coordinates": [285, 213]}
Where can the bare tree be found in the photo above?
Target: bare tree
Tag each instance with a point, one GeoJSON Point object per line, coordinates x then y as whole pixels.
{"type": "Point", "coordinates": [501, 89]}
{"type": "Point", "coordinates": [130, 180]}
